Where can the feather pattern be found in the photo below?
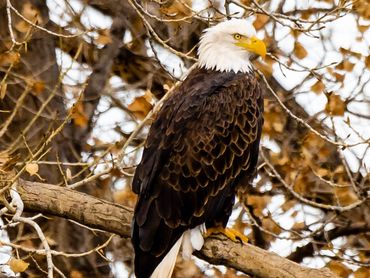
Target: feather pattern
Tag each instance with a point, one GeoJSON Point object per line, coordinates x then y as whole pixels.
{"type": "Point", "coordinates": [201, 147]}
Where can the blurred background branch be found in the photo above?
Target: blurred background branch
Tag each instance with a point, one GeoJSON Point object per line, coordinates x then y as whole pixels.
{"type": "Point", "coordinates": [80, 82]}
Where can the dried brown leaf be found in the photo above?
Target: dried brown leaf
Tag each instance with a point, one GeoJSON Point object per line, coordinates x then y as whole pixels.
{"type": "Point", "coordinates": [8, 58]}
{"type": "Point", "coordinates": [298, 226]}
{"type": "Point", "coordinates": [363, 28]}
{"type": "Point", "coordinates": [140, 107]}
{"type": "Point", "coordinates": [345, 65]}
{"type": "Point", "coordinates": [18, 265]}
{"type": "Point", "coordinates": [104, 37]}
{"type": "Point", "coordinates": [261, 20]}
{"type": "Point", "coordinates": [265, 68]}
{"type": "Point", "coordinates": [367, 62]}
{"type": "Point", "coordinates": [258, 203]}
{"type": "Point", "coordinates": [22, 26]}
{"type": "Point", "coordinates": [362, 272]}
{"type": "Point", "coordinates": [318, 87]}
{"type": "Point", "coordinates": [3, 87]}
{"type": "Point", "coordinates": [76, 274]}
{"type": "Point", "coordinates": [32, 168]}
{"type": "Point", "coordinates": [362, 8]}
{"type": "Point", "coordinates": [38, 87]}
{"type": "Point", "coordinates": [288, 205]}
{"type": "Point", "coordinates": [125, 197]}
{"type": "Point", "coordinates": [349, 52]}
{"type": "Point", "coordinates": [30, 12]}
{"type": "Point", "coordinates": [335, 105]}
{"type": "Point", "coordinates": [176, 9]}
{"type": "Point", "coordinates": [345, 196]}
{"type": "Point", "coordinates": [299, 51]}
{"type": "Point", "coordinates": [271, 226]}
{"type": "Point", "coordinates": [79, 115]}
{"type": "Point", "coordinates": [68, 174]}
{"type": "Point", "coordinates": [339, 269]}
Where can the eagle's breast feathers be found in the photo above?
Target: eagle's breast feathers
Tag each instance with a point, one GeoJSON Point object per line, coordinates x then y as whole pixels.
{"type": "Point", "coordinates": [202, 145]}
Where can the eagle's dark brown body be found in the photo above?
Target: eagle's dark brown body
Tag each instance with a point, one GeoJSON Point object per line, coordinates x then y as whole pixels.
{"type": "Point", "coordinates": [201, 147]}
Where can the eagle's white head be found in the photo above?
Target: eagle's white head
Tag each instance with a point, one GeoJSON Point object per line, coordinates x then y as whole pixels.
{"type": "Point", "coordinates": [228, 46]}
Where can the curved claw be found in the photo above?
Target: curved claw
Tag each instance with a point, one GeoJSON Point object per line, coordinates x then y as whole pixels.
{"type": "Point", "coordinates": [232, 234]}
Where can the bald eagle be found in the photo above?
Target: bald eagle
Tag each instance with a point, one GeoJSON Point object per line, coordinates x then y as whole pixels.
{"type": "Point", "coordinates": [201, 148]}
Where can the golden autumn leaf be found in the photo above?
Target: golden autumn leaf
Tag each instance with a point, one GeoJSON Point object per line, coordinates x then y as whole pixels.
{"type": "Point", "coordinates": [260, 21]}
{"type": "Point", "coordinates": [345, 65]}
{"type": "Point", "coordinates": [278, 126]}
{"type": "Point", "coordinates": [306, 15]}
{"type": "Point", "coordinates": [176, 9]}
{"type": "Point", "coordinates": [338, 77]}
{"type": "Point", "coordinates": [367, 62]}
{"type": "Point", "coordinates": [79, 115]}
{"type": "Point", "coordinates": [7, 162]}
{"type": "Point", "coordinates": [104, 37]}
{"type": "Point", "coordinates": [339, 269]}
{"type": "Point", "coordinates": [166, 87]}
{"type": "Point", "coordinates": [362, 7]}
{"type": "Point", "coordinates": [318, 87]}
{"type": "Point", "coordinates": [38, 87]}
{"type": "Point", "coordinates": [258, 203]}
{"type": "Point", "coordinates": [148, 96]}
{"type": "Point", "coordinates": [301, 184]}
{"type": "Point", "coordinates": [8, 58]}
{"type": "Point", "coordinates": [68, 174]}
{"type": "Point", "coordinates": [76, 274]}
{"type": "Point", "coordinates": [249, 2]}
{"type": "Point", "coordinates": [4, 157]}
{"type": "Point", "coordinates": [295, 33]}
{"type": "Point", "coordinates": [3, 87]}
{"type": "Point", "coordinates": [362, 272]}
{"type": "Point", "coordinates": [32, 168]}
{"type": "Point", "coordinates": [125, 197]}
{"type": "Point", "coordinates": [299, 51]}
{"type": "Point", "coordinates": [265, 68]}
{"type": "Point", "coordinates": [140, 107]}
{"type": "Point", "coordinates": [349, 52]}
{"type": "Point", "coordinates": [363, 28]}
{"type": "Point", "coordinates": [22, 26]}
{"type": "Point", "coordinates": [18, 265]}
{"type": "Point", "coordinates": [30, 12]}
{"type": "Point", "coordinates": [271, 226]}
{"type": "Point", "coordinates": [345, 196]}
{"type": "Point", "coordinates": [288, 205]}
{"type": "Point", "coordinates": [335, 105]}
{"type": "Point", "coordinates": [298, 226]}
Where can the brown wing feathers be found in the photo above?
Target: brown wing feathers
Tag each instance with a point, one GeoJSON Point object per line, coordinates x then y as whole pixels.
{"type": "Point", "coordinates": [204, 140]}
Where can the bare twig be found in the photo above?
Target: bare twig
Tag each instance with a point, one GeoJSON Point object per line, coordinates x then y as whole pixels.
{"type": "Point", "coordinates": [10, 6]}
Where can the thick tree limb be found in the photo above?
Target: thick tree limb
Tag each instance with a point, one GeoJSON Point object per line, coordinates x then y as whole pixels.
{"type": "Point", "coordinates": [255, 261]}
{"type": "Point", "coordinates": [114, 218]}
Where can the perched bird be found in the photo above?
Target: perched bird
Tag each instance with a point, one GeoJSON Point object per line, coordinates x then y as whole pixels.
{"type": "Point", "coordinates": [201, 148]}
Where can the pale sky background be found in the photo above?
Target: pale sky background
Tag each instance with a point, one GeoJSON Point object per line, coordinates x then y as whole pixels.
{"type": "Point", "coordinates": [344, 33]}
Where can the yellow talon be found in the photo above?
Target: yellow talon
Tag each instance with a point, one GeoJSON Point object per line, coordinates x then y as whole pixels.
{"type": "Point", "coordinates": [232, 234]}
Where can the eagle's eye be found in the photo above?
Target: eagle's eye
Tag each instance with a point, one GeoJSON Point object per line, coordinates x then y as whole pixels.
{"type": "Point", "coordinates": [237, 36]}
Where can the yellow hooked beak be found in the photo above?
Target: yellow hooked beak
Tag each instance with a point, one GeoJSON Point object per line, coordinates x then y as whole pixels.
{"type": "Point", "coordinates": [254, 45]}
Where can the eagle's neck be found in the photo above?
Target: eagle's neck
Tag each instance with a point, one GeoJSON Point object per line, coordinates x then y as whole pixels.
{"type": "Point", "coordinates": [220, 58]}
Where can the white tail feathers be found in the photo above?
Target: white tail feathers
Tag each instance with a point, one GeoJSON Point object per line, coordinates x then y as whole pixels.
{"type": "Point", "coordinates": [190, 240]}
{"type": "Point", "coordinates": [165, 268]}
{"type": "Point", "coordinates": [193, 240]}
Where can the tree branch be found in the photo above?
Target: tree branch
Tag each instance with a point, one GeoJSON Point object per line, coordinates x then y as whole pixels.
{"type": "Point", "coordinates": [114, 218]}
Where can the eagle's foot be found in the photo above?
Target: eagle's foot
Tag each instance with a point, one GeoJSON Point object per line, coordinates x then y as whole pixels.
{"type": "Point", "coordinates": [232, 234]}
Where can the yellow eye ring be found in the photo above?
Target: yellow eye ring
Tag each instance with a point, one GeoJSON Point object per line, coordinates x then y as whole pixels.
{"type": "Point", "coordinates": [237, 36]}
